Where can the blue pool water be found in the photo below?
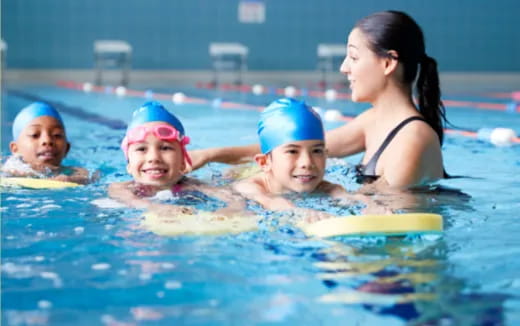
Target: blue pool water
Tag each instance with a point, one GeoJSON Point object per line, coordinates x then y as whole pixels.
{"type": "Point", "coordinates": [67, 261]}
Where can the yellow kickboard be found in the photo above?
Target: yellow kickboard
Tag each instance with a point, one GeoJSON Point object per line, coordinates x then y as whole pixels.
{"type": "Point", "coordinates": [202, 223]}
{"type": "Point", "coordinates": [34, 183]}
{"type": "Point", "coordinates": [391, 224]}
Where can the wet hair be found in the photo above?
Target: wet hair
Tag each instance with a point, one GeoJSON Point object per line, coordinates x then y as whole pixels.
{"type": "Point", "coordinates": [395, 30]}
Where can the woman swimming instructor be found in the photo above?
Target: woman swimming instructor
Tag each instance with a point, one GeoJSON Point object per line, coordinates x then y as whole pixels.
{"type": "Point", "coordinates": [402, 141]}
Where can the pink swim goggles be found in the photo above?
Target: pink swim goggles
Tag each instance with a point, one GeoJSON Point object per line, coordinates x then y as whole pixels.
{"type": "Point", "coordinates": [162, 131]}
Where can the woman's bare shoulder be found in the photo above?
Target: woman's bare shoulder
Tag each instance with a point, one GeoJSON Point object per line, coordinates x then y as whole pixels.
{"type": "Point", "coordinates": [413, 156]}
{"type": "Point", "coordinates": [419, 133]}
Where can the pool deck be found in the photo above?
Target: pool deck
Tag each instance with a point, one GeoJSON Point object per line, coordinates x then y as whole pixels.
{"type": "Point", "coordinates": [450, 81]}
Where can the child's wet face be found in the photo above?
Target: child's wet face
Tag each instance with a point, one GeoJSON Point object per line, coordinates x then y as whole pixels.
{"type": "Point", "coordinates": [42, 142]}
{"type": "Point", "coordinates": [298, 166]}
{"type": "Point", "coordinates": [156, 162]}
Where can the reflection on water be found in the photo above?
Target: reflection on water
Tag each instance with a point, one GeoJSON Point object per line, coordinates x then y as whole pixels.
{"type": "Point", "coordinates": [408, 280]}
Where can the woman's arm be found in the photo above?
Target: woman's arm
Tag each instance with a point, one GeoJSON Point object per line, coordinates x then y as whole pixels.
{"type": "Point", "coordinates": [228, 155]}
{"type": "Point", "coordinates": [348, 139]}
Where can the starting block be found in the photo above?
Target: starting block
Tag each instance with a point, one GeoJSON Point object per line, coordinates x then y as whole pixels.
{"type": "Point", "coordinates": [228, 56]}
{"type": "Point", "coordinates": [112, 53]}
{"type": "Point", "coordinates": [328, 56]}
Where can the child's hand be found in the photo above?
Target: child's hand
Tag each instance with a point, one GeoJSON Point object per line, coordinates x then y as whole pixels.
{"type": "Point", "coordinates": [279, 204]}
{"type": "Point", "coordinates": [311, 216]}
{"type": "Point", "coordinates": [24, 174]}
{"type": "Point", "coordinates": [374, 209]}
{"type": "Point", "coordinates": [167, 211]}
{"type": "Point", "coordinates": [62, 177]}
{"type": "Point", "coordinates": [45, 168]}
{"type": "Point", "coordinates": [79, 175]}
{"type": "Point", "coordinates": [232, 211]}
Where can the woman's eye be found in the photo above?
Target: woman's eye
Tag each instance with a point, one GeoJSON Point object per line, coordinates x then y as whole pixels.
{"type": "Point", "coordinates": [140, 149]}
{"type": "Point", "coordinates": [318, 151]}
{"type": "Point", "coordinates": [291, 151]}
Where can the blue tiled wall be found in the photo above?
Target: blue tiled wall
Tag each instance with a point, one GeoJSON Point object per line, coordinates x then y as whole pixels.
{"type": "Point", "coordinates": [464, 35]}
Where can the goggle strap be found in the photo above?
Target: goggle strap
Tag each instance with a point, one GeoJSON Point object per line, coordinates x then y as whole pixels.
{"type": "Point", "coordinates": [186, 155]}
{"type": "Point", "coordinates": [185, 140]}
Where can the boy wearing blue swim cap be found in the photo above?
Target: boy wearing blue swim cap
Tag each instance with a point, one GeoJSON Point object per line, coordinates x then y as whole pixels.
{"type": "Point", "coordinates": [39, 145]}
{"type": "Point", "coordinates": [293, 156]}
{"type": "Point", "coordinates": [155, 149]}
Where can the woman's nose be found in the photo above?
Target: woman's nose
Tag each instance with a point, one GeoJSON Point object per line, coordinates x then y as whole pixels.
{"type": "Point", "coordinates": [345, 66]}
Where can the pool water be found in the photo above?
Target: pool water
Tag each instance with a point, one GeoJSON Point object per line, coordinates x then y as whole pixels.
{"type": "Point", "coordinates": [67, 261]}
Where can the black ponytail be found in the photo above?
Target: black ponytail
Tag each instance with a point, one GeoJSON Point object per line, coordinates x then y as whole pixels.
{"type": "Point", "coordinates": [395, 30]}
{"type": "Point", "coordinates": [429, 96]}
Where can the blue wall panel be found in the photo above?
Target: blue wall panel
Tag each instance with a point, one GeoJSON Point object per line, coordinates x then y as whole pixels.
{"type": "Point", "coordinates": [463, 35]}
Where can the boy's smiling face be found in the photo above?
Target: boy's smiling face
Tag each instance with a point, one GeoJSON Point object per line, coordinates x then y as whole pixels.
{"type": "Point", "coordinates": [42, 143]}
{"type": "Point", "coordinates": [297, 166]}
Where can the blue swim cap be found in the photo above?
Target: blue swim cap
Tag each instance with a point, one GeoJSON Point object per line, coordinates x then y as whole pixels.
{"type": "Point", "coordinates": [287, 120]}
{"type": "Point", "coordinates": [31, 112]}
{"type": "Point", "coordinates": [154, 111]}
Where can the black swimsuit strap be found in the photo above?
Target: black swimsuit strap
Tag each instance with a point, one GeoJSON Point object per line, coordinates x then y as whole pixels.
{"type": "Point", "coordinates": [370, 167]}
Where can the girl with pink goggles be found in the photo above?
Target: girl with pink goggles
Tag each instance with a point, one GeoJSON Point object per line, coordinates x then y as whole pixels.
{"type": "Point", "coordinates": [151, 112]}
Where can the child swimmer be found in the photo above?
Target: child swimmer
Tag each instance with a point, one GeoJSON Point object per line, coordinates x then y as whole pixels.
{"type": "Point", "coordinates": [293, 158]}
{"type": "Point", "coordinates": [155, 149]}
{"type": "Point", "coordinates": [39, 145]}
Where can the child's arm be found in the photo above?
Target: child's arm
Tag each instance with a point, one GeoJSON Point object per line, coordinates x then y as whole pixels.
{"type": "Point", "coordinates": [332, 189]}
{"type": "Point", "coordinates": [253, 188]}
{"type": "Point", "coordinates": [15, 167]}
{"type": "Point", "coordinates": [228, 155]}
{"type": "Point", "coordinates": [79, 175]}
{"type": "Point", "coordinates": [235, 204]}
{"type": "Point", "coordinates": [337, 191]}
{"type": "Point", "coordinates": [123, 192]}
{"type": "Point", "coordinates": [22, 174]}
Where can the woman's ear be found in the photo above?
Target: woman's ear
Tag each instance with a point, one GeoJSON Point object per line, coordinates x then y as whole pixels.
{"type": "Point", "coordinates": [391, 62]}
{"type": "Point", "coordinates": [68, 149]}
{"type": "Point", "coordinates": [13, 146]}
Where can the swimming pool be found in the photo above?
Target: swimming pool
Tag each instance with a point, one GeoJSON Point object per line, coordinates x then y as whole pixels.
{"type": "Point", "coordinates": [67, 261]}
